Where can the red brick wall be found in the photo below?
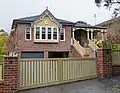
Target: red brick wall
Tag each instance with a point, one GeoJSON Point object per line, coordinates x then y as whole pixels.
{"type": "Point", "coordinates": [31, 46]}
{"type": "Point", "coordinates": [11, 75]}
{"type": "Point", "coordinates": [104, 60]}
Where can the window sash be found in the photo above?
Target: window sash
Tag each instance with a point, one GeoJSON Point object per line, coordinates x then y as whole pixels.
{"type": "Point", "coordinates": [62, 34]}
{"type": "Point", "coordinates": [28, 33]}
{"type": "Point", "coordinates": [37, 32]}
{"type": "Point", "coordinates": [43, 33]}
{"type": "Point", "coordinates": [55, 33]}
{"type": "Point", "coordinates": [49, 33]}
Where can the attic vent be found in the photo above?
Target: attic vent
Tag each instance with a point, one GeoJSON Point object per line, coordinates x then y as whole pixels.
{"type": "Point", "coordinates": [41, 18]}
{"type": "Point", "coordinates": [52, 18]}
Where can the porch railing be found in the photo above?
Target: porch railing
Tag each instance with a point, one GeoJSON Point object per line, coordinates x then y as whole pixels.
{"type": "Point", "coordinates": [42, 72]}
{"type": "Point", "coordinates": [79, 48]}
{"type": "Point", "coordinates": [92, 45]}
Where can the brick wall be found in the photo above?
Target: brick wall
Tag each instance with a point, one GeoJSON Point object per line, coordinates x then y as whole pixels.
{"type": "Point", "coordinates": [30, 45]}
{"type": "Point", "coordinates": [73, 53]}
{"type": "Point", "coordinates": [11, 75]}
{"type": "Point", "coordinates": [104, 60]}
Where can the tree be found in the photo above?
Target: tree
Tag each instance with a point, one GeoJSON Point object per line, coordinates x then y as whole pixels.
{"type": "Point", "coordinates": [110, 4]}
{"type": "Point", "coordinates": [3, 43]}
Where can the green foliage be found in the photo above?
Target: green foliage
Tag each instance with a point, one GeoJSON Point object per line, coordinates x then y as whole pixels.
{"type": "Point", "coordinates": [3, 39]}
{"type": "Point", "coordinates": [111, 46]}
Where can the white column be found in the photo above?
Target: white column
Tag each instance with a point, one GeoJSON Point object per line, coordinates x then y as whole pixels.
{"type": "Point", "coordinates": [91, 34]}
{"type": "Point", "coordinates": [102, 33]}
{"type": "Point", "coordinates": [88, 34]}
{"type": "Point", "coordinates": [73, 34]}
{"type": "Point", "coordinates": [105, 33]}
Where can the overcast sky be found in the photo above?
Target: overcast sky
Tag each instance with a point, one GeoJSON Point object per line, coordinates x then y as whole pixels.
{"type": "Point", "coordinates": [72, 10]}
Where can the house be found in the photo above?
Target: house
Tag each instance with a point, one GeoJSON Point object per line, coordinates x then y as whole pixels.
{"type": "Point", "coordinates": [45, 36]}
{"type": "Point", "coordinates": [113, 29]}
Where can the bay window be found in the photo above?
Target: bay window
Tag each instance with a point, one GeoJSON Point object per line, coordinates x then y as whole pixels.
{"type": "Point", "coordinates": [46, 33]}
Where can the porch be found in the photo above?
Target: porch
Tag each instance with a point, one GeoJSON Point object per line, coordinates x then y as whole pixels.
{"type": "Point", "coordinates": [85, 35]}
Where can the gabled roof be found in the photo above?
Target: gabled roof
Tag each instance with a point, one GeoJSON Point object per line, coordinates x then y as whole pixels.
{"type": "Point", "coordinates": [108, 22]}
{"type": "Point", "coordinates": [84, 25]}
{"type": "Point", "coordinates": [32, 19]}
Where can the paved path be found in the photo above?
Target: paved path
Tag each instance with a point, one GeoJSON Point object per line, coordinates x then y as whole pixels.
{"type": "Point", "coordinates": [106, 85]}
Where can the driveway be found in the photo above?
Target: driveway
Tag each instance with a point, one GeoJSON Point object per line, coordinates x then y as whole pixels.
{"type": "Point", "coordinates": [106, 85]}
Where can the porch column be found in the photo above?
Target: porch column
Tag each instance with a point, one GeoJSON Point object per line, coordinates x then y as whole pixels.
{"type": "Point", "coordinates": [88, 34]}
{"type": "Point", "coordinates": [105, 32]}
{"type": "Point", "coordinates": [91, 34]}
{"type": "Point", "coordinates": [102, 33]}
{"type": "Point", "coordinates": [73, 34]}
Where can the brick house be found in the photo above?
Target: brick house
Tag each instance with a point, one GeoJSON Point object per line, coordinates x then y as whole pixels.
{"type": "Point", "coordinates": [45, 36]}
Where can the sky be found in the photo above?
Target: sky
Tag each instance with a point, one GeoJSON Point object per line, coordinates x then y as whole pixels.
{"type": "Point", "coordinates": [71, 10]}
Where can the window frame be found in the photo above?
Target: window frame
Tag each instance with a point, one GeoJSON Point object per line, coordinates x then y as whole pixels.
{"type": "Point", "coordinates": [50, 33]}
{"type": "Point", "coordinates": [26, 33]}
{"type": "Point", "coordinates": [46, 33]}
{"type": "Point", "coordinates": [39, 33]}
{"type": "Point", "coordinates": [64, 34]}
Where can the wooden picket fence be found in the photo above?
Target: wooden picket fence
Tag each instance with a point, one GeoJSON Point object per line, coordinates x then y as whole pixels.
{"type": "Point", "coordinates": [43, 72]}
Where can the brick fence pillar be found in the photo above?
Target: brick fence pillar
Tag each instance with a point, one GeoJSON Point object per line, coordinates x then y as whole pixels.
{"type": "Point", "coordinates": [104, 61]}
{"type": "Point", "coordinates": [11, 74]}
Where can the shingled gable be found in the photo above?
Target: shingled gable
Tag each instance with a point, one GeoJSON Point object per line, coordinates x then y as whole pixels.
{"type": "Point", "coordinates": [46, 13]}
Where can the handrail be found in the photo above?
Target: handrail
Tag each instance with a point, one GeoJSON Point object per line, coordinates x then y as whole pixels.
{"type": "Point", "coordinates": [92, 45]}
{"type": "Point", "coordinates": [79, 48]}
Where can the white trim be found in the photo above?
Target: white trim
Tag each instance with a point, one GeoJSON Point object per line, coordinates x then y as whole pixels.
{"type": "Point", "coordinates": [25, 33]}
{"type": "Point", "coordinates": [64, 34]}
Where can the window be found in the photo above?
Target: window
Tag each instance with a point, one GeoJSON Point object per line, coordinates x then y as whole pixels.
{"type": "Point", "coordinates": [62, 34]}
{"type": "Point", "coordinates": [37, 32]}
{"type": "Point", "coordinates": [32, 55]}
{"type": "Point", "coordinates": [54, 33]}
{"type": "Point", "coordinates": [28, 33]}
{"type": "Point", "coordinates": [49, 33]}
{"type": "Point", "coordinates": [43, 33]}
{"type": "Point", "coordinates": [46, 33]}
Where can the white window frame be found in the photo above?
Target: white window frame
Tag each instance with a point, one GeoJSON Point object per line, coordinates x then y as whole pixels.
{"type": "Point", "coordinates": [46, 34]}
{"type": "Point", "coordinates": [35, 32]}
{"type": "Point", "coordinates": [51, 33]}
{"type": "Point", "coordinates": [64, 34]}
{"type": "Point", "coordinates": [25, 33]}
